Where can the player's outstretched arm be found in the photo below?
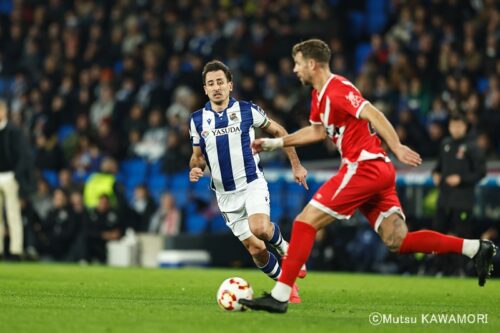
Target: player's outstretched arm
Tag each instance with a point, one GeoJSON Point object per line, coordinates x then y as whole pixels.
{"type": "Point", "coordinates": [197, 164]}
{"type": "Point", "coordinates": [302, 137]}
{"type": "Point", "coordinates": [299, 172]}
{"type": "Point", "coordinates": [384, 128]}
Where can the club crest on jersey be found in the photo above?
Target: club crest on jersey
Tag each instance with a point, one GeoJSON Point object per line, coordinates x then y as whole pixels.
{"type": "Point", "coordinates": [205, 134]}
{"type": "Point", "coordinates": [355, 100]}
{"type": "Point", "coordinates": [233, 116]}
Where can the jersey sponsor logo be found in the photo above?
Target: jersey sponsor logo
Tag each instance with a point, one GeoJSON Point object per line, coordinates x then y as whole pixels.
{"type": "Point", "coordinates": [355, 100]}
{"type": "Point", "coordinates": [205, 134]}
{"type": "Point", "coordinates": [226, 130]}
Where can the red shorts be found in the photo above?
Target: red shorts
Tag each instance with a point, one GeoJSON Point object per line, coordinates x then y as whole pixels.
{"type": "Point", "coordinates": [367, 185]}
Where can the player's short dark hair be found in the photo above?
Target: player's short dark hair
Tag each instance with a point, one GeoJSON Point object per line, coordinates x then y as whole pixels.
{"type": "Point", "coordinates": [314, 49]}
{"type": "Point", "coordinates": [216, 65]}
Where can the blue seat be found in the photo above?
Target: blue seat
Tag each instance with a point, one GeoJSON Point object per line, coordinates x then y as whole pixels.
{"type": "Point", "coordinates": [218, 224]}
{"type": "Point", "coordinates": [201, 189]}
{"type": "Point", "coordinates": [482, 84]}
{"type": "Point", "coordinates": [195, 224]}
{"type": "Point", "coordinates": [80, 177]}
{"type": "Point", "coordinates": [277, 213]}
{"type": "Point", "coordinates": [377, 6]}
{"type": "Point", "coordinates": [180, 180]}
{"type": "Point", "coordinates": [156, 168]}
{"type": "Point", "coordinates": [363, 50]}
{"type": "Point", "coordinates": [51, 177]}
{"type": "Point", "coordinates": [64, 131]}
{"type": "Point", "coordinates": [313, 188]}
{"type": "Point", "coordinates": [136, 167]}
{"type": "Point", "coordinates": [376, 22]}
{"type": "Point", "coordinates": [357, 24]}
{"type": "Point", "coordinates": [133, 172]}
{"type": "Point", "coordinates": [157, 185]}
{"type": "Point", "coordinates": [295, 196]}
{"type": "Point", "coordinates": [181, 196]}
{"type": "Point", "coordinates": [276, 192]}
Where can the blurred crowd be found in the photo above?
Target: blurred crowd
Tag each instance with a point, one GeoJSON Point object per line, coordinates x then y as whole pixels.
{"type": "Point", "coordinates": [95, 82]}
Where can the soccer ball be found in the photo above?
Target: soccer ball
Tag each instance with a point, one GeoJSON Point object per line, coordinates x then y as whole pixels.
{"type": "Point", "coordinates": [230, 291]}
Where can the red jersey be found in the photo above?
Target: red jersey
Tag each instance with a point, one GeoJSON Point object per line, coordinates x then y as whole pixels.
{"type": "Point", "coordinates": [337, 108]}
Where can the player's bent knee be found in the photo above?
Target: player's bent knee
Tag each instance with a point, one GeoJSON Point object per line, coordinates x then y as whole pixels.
{"type": "Point", "coordinates": [394, 233]}
{"type": "Point", "coordinates": [261, 229]}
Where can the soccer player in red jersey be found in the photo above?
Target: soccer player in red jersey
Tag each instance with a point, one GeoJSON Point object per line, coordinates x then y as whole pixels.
{"type": "Point", "coordinates": [365, 181]}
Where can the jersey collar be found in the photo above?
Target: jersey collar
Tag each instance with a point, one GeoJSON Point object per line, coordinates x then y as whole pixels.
{"type": "Point", "coordinates": [320, 95]}
{"type": "Point", "coordinates": [208, 106]}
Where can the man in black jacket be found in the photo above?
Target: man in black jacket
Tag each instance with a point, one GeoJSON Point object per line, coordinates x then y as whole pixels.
{"type": "Point", "coordinates": [460, 166]}
{"type": "Point", "coordinates": [15, 180]}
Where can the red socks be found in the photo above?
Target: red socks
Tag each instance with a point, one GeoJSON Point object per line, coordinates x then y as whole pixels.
{"type": "Point", "coordinates": [428, 241]}
{"type": "Point", "coordinates": [301, 243]}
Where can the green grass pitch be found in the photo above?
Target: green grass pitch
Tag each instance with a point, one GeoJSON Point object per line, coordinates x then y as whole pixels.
{"type": "Point", "coordinates": [67, 298]}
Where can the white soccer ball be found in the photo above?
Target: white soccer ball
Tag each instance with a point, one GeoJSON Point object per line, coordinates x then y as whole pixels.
{"type": "Point", "coordinates": [230, 291]}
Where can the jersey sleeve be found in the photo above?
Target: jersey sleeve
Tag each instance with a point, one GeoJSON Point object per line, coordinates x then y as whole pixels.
{"type": "Point", "coordinates": [260, 118]}
{"type": "Point", "coordinates": [314, 116]}
{"type": "Point", "coordinates": [195, 136]}
{"type": "Point", "coordinates": [348, 99]}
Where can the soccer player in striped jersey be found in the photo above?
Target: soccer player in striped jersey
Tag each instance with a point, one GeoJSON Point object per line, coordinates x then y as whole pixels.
{"type": "Point", "coordinates": [221, 134]}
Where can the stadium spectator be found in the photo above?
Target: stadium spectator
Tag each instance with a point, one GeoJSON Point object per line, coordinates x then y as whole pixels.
{"type": "Point", "coordinates": [61, 230]}
{"type": "Point", "coordinates": [143, 207]}
{"type": "Point", "coordinates": [102, 109]}
{"type": "Point", "coordinates": [81, 219]}
{"type": "Point", "coordinates": [104, 225]}
{"type": "Point", "coordinates": [65, 181]}
{"type": "Point", "coordinates": [153, 143]}
{"type": "Point", "coordinates": [166, 220]}
{"type": "Point", "coordinates": [48, 154]}
{"type": "Point", "coordinates": [42, 198]}
{"type": "Point", "coordinates": [460, 167]}
{"type": "Point", "coordinates": [177, 153]}
{"type": "Point", "coordinates": [101, 183]}
{"type": "Point", "coordinates": [15, 181]}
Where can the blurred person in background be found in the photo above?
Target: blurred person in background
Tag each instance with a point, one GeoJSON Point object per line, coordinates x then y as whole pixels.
{"type": "Point", "coordinates": [60, 228]}
{"type": "Point", "coordinates": [460, 166]}
{"type": "Point", "coordinates": [166, 220]}
{"type": "Point", "coordinates": [153, 143]}
{"type": "Point", "coordinates": [143, 207]}
{"type": "Point", "coordinates": [15, 181]}
{"type": "Point", "coordinates": [101, 183]}
{"type": "Point", "coordinates": [104, 225]}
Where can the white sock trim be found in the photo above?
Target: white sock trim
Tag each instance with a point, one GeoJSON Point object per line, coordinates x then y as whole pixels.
{"type": "Point", "coordinates": [281, 292]}
{"type": "Point", "coordinates": [470, 247]}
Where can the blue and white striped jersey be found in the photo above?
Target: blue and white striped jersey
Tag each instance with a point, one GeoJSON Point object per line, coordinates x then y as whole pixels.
{"type": "Point", "coordinates": [224, 138]}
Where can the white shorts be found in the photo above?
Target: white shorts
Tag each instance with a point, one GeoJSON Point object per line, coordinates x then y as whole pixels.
{"type": "Point", "coordinates": [238, 206]}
